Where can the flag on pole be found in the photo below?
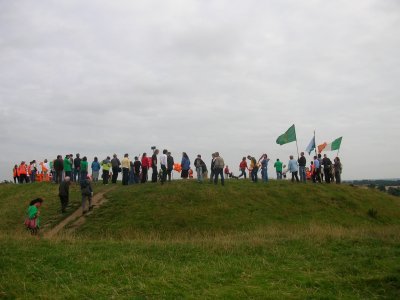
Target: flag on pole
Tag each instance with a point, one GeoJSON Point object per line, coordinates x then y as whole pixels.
{"type": "Point", "coordinates": [288, 137]}
{"type": "Point", "coordinates": [335, 145]}
{"type": "Point", "coordinates": [311, 146]}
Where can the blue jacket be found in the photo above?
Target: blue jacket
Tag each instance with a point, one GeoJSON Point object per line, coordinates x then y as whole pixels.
{"type": "Point", "coordinates": [95, 166]}
{"type": "Point", "coordinates": [292, 166]}
{"type": "Point", "coordinates": [185, 163]}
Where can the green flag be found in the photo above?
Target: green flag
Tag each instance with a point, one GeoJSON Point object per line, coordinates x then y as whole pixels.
{"type": "Point", "coordinates": [288, 137]}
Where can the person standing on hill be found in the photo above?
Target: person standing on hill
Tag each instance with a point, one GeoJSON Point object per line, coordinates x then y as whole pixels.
{"type": "Point", "coordinates": [278, 167]}
{"type": "Point", "coordinates": [145, 167]}
{"type": "Point", "coordinates": [16, 174]}
{"type": "Point", "coordinates": [185, 163]}
{"type": "Point", "coordinates": [170, 165]}
{"type": "Point", "coordinates": [317, 168]}
{"type": "Point", "coordinates": [106, 165]}
{"type": "Point", "coordinates": [293, 168]}
{"type": "Point", "coordinates": [116, 168]}
{"type": "Point", "coordinates": [77, 168]}
{"type": "Point", "coordinates": [95, 169]}
{"type": "Point", "coordinates": [327, 164]}
{"type": "Point", "coordinates": [198, 163]}
{"type": "Point", "coordinates": [302, 167]}
{"type": "Point", "coordinates": [84, 168]}
{"type": "Point", "coordinates": [136, 170]}
{"type": "Point", "coordinates": [67, 166]}
{"type": "Point", "coordinates": [212, 168]}
{"type": "Point", "coordinates": [125, 164]}
{"type": "Point", "coordinates": [264, 167]}
{"type": "Point", "coordinates": [63, 193]}
{"type": "Point", "coordinates": [33, 168]}
{"type": "Point", "coordinates": [243, 168]}
{"type": "Point", "coordinates": [59, 168]}
{"type": "Point", "coordinates": [254, 168]}
{"type": "Point", "coordinates": [219, 168]}
{"type": "Point", "coordinates": [164, 165]}
{"type": "Point", "coordinates": [338, 170]}
{"type": "Point", "coordinates": [87, 192]}
{"type": "Point", "coordinates": [154, 164]}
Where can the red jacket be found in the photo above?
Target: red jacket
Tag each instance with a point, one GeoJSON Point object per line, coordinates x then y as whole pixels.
{"type": "Point", "coordinates": [243, 165]}
{"type": "Point", "coordinates": [145, 162]}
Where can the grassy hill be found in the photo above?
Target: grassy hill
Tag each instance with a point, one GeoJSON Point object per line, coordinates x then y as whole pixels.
{"type": "Point", "coordinates": [189, 240]}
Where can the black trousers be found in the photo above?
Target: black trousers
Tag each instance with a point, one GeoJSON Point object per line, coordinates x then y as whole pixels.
{"type": "Point", "coordinates": [164, 174]}
{"type": "Point", "coordinates": [144, 175]}
{"type": "Point", "coordinates": [125, 176]}
{"type": "Point", "coordinates": [169, 173]}
{"type": "Point", "coordinates": [58, 176]}
{"type": "Point", "coordinates": [64, 202]}
{"type": "Point", "coordinates": [106, 176]}
{"type": "Point", "coordinates": [294, 175]}
{"type": "Point", "coordinates": [154, 175]}
{"type": "Point", "coordinates": [114, 175]}
{"type": "Point", "coordinates": [327, 175]}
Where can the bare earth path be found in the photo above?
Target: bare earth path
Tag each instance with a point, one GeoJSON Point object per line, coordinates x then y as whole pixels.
{"type": "Point", "coordinates": [76, 217]}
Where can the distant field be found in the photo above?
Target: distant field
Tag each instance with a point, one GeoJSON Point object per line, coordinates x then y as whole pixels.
{"type": "Point", "coordinates": [191, 241]}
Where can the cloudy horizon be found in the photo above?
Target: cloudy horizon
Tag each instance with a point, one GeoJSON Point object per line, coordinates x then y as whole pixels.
{"type": "Point", "coordinates": [103, 77]}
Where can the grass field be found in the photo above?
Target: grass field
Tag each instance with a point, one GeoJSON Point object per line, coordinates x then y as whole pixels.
{"type": "Point", "coordinates": [199, 241]}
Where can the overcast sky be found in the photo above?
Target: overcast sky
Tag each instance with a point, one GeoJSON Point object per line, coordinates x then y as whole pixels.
{"type": "Point", "coordinates": [98, 77]}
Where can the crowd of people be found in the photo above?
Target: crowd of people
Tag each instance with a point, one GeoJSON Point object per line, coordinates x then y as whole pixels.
{"type": "Point", "coordinates": [70, 169]}
{"type": "Point", "coordinates": [136, 170]}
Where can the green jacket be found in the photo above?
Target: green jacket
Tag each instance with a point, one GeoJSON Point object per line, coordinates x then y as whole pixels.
{"type": "Point", "coordinates": [84, 166]}
{"type": "Point", "coordinates": [67, 165]}
{"type": "Point", "coordinates": [278, 166]}
{"type": "Point", "coordinates": [32, 214]}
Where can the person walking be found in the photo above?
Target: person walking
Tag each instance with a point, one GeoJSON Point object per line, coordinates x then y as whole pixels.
{"type": "Point", "coordinates": [219, 168]}
{"type": "Point", "coordinates": [154, 165]}
{"type": "Point", "coordinates": [254, 168]}
{"type": "Point", "coordinates": [170, 165]}
{"type": "Point", "coordinates": [116, 168]}
{"type": "Point", "coordinates": [87, 192]}
{"type": "Point", "coordinates": [327, 164]}
{"type": "Point", "coordinates": [32, 222]}
{"type": "Point", "coordinates": [198, 163]}
{"type": "Point", "coordinates": [67, 166]}
{"type": "Point", "coordinates": [302, 167]}
{"type": "Point", "coordinates": [293, 168]}
{"type": "Point", "coordinates": [338, 170]}
{"type": "Point", "coordinates": [243, 168]}
{"type": "Point", "coordinates": [264, 167]}
{"type": "Point", "coordinates": [95, 166]}
{"type": "Point", "coordinates": [84, 168]}
{"type": "Point", "coordinates": [63, 193]}
{"type": "Point", "coordinates": [125, 164]}
{"type": "Point", "coordinates": [185, 163]}
{"type": "Point", "coordinates": [136, 170]}
{"type": "Point", "coordinates": [106, 165]}
{"type": "Point", "coordinates": [77, 168]}
{"type": "Point", "coordinates": [16, 174]}
{"type": "Point", "coordinates": [278, 167]}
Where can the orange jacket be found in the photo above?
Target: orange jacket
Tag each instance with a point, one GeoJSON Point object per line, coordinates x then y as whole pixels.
{"type": "Point", "coordinates": [16, 172]}
{"type": "Point", "coordinates": [23, 169]}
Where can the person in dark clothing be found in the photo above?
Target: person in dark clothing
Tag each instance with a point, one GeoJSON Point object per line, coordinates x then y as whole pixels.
{"type": "Point", "coordinates": [154, 176]}
{"type": "Point", "coordinates": [136, 170]}
{"type": "Point", "coordinates": [116, 168]}
{"type": "Point", "coordinates": [337, 169]}
{"type": "Point", "coordinates": [77, 168]}
{"type": "Point", "coordinates": [59, 168]}
{"type": "Point", "coordinates": [87, 192]}
{"type": "Point", "coordinates": [212, 168]}
{"type": "Point", "coordinates": [327, 164]}
{"type": "Point", "coordinates": [302, 167]}
{"type": "Point", "coordinates": [63, 193]}
{"type": "Point", "coordinates": [170, 165]}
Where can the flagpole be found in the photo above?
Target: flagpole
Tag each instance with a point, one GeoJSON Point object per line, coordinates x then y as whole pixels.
{"type": "Point", "coordinates": [315, 144]}
{"type": "Point", "coordinates": [298, 156]}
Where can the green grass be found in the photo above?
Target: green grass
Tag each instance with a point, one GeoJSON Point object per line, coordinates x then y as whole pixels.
{"type": "Point", "coordinates": [190, 241]}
